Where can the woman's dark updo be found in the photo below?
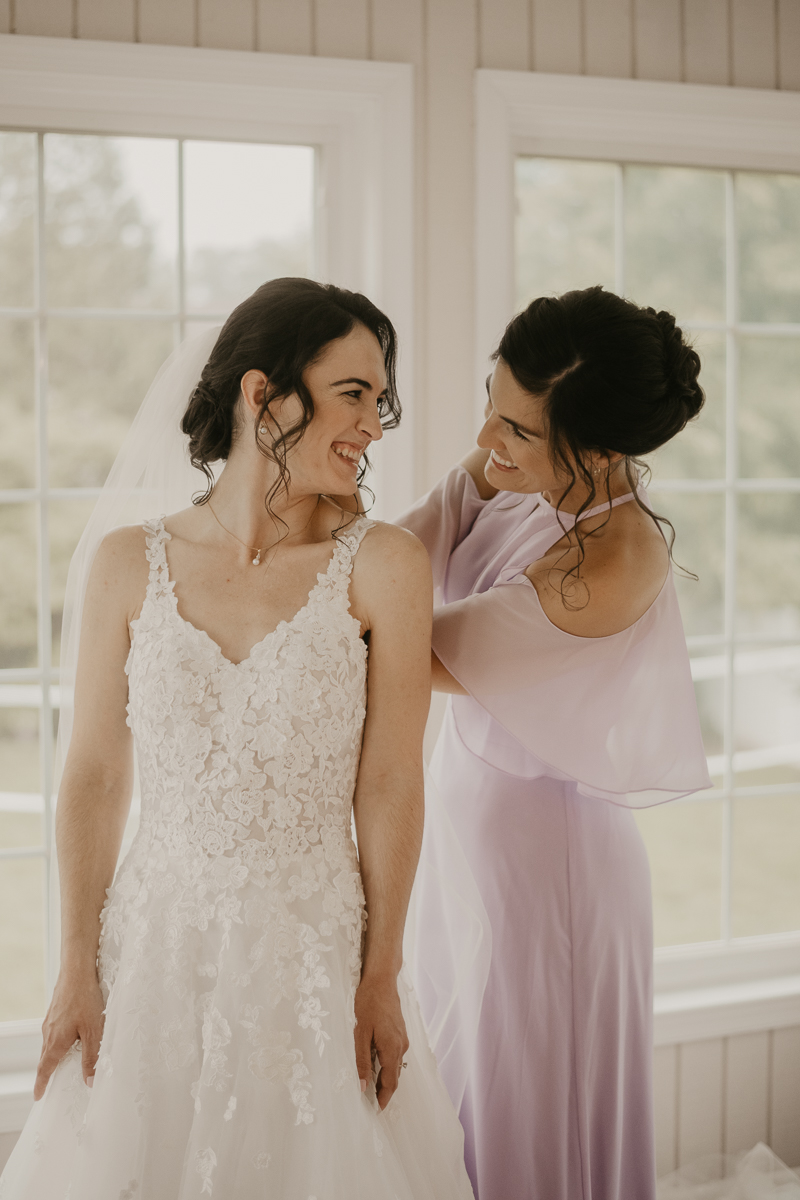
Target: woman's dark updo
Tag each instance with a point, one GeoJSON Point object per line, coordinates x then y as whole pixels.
{"type": "Point", "coordinates": [281, 329]}
{"type": "Point", "coordinates": [612, 377]}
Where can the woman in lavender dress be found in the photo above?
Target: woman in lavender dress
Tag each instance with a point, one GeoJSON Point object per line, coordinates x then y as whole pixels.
{"type": "Point", "coordinates": [560, 642]}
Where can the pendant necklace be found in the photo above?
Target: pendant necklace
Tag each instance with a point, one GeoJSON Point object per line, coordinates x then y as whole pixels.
{"type": "Point", "coordinates": [258, 551]}
{"type": "Point", "coordinates": [253, 549]}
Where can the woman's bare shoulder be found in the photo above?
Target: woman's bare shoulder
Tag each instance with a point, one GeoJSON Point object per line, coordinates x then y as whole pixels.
{"type": "Point", "coordinates": [120, 566]}
{"type": "Point", "coordinates": [391, 546]}
{"type": "Point", "coordinates": [391, 576]}
{"type": "Point", "coordinates": [622, 573]}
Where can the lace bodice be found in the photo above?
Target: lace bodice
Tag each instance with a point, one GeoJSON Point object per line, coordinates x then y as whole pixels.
{"type": "Point", "coordinates": [257, 760]}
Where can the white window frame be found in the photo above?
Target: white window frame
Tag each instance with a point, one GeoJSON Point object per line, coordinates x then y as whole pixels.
{"type": "Point", "coordinates": [358, 116]}
{"type": "Point", "coordinates": [731, 986]}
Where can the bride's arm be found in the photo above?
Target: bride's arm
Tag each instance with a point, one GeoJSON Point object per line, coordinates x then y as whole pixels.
{"type": "Point", "coordinates": [93, 800]}
{"type": "Point", "coordinates": [392, 594]}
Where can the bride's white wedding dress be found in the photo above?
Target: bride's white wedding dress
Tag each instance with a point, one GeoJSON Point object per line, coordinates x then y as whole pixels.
{"type": "Point", "coordinates": [231, 941]}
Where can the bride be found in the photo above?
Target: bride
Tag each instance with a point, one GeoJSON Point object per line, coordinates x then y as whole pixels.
{"type": "Point", "coordinates": [226, 1021]}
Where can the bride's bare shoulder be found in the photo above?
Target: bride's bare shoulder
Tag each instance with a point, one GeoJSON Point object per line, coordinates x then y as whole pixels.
{"type": "Point", "coordinates": [121, 559]}
{"type": "Point", "coordinates": [393, 560]}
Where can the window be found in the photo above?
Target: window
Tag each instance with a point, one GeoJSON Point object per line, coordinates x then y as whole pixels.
{"type": "Point", "coordinates": [686, 198]}
{"type": "Point", "coordinates": [721, 250]}
{"type": "Point", "coordinates": [111, 249]}
{"type": "Point", "coordinates": [131, 212]}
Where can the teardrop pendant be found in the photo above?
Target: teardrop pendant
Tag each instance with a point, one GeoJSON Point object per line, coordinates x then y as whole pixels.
{"type": "Point", "coordinates": [257, 559]}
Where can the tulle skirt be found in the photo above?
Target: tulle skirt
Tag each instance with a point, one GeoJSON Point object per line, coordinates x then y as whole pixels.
{"type": "Point", "coordinates": [219, 1080]}
{"type": "Point", "coordinates": [757, 1175]}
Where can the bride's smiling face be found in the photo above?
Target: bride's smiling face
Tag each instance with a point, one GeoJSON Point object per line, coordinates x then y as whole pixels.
{"type": "Point", "coordinates": [347, 384]}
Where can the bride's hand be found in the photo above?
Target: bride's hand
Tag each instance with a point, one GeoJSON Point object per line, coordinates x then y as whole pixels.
{"type": "Point", "coordinates": [75, 1014]}
{"type": "Point", "coordinates": [380, 1028]}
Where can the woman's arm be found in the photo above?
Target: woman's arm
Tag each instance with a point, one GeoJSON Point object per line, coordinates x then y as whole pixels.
{"type": "Point", "coordinates": [393, 594]}
{"type": "Point", "coordinates": [93, 800]}
{"type": "Point", "coordinates": [442, 680]}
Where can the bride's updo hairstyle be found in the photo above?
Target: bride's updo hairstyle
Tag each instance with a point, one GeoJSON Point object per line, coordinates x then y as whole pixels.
{"type": "Point", "coordinates": [282, 329]}
{"type": "Point", "coordinates": [612, 376]}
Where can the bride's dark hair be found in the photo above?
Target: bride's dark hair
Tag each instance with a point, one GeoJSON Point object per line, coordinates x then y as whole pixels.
{"type": "Point", "coordinates": [613, 377]}
{"type": "Point", "coordinates": [281, 330]}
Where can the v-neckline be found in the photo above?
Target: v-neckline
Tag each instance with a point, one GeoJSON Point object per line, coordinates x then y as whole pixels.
{"type": "Point", "coordinates": [322, 578]}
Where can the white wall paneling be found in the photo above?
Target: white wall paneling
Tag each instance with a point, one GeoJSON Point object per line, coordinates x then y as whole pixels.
{"type": "Point", "coordinates": [359, 115]}
{"type": "Point", "coordinates": [557, 35]}
{"type": "Point", "coordinates": [608, 37]}
{"type": "Point", "coordinates": [44, 18]}
{"type": "Point", "coordinates": [170, 24]}
{"type": "Point", "coordinates": [700, 1099]}
{"type": "Point", "coordinates": [754, 59]}
{"type": "Point", "coordinates": [784, 1133]}
{"type": "Point", "coordinates": [724, 1095]}
{"type": "Point", "coordinates": [706, 41]}
{"type": "Point", "coordinates": [658, 39]}
{"type": "Point", "coordinates": [106, 20]}
{"type": "Point", "coordinates": [747, 1079]}
{"type": "Point", "coordinates": [231, 27]}
{"type": "Point", "coordinates": [665, 1096]}
{"type": "Point", "coordinates": [284, 26]}
{"type": "Point", "coordinates": [788, 44]}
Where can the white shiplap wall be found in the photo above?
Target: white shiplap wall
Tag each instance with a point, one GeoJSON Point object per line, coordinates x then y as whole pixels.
{"type": "Point", "coordinates": [722, 1094]}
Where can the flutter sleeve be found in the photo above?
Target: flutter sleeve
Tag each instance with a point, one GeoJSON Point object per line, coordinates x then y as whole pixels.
{"type": "Point", "coordinates": [443, 518]}
{"type": "Point", "coordinates": [615, 714]}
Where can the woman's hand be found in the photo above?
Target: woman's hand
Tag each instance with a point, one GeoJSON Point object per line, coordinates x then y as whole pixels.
{"type": "Point", "coordinates": [75, 1014]}
{"type": "Point", "coordinates": [380, 1030]}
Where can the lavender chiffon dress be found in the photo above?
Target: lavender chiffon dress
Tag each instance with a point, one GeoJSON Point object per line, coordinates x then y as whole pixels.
{"type": "Point", "coordinates": [548, 1051]}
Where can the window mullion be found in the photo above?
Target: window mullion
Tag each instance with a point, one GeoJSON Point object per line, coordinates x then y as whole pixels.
{"type": "Point", "coordinates": [45, 635]}
{"type": "Point", "coordinates": [731, 515]}
{"type": "Point", "coordinates": [181, 326]}
{"type": "Point", "coordinates": [619, 229]}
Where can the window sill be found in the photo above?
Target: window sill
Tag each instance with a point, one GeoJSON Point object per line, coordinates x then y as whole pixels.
{"type": "Point", "coordinates": [723, 989]}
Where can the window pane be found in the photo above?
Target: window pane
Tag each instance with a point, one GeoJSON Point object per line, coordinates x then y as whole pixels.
{"type": "Point", "coordinates": [19, 543]}
{"type": "Point", "coordinates": [699, 547]}
{"type": "Point", "coordinates": [768, 219]}
{"type": "Point", "coordinates": [767, 699]}
{"type": "Point", "coordinates": [769, 564]}
{"type": "Point", "coordinates": [111, 216]}
{"type": "Point", "coordinates": [564, 226]}
{"type": "Point", "coordinates": [699, 451]}
{"type": "Point", "coordinates": [17, 219]}
{"type": "Point", "coordinates": [684, 843]}
{"type": "Point", "coordinates": [17, 415]}
{"type": "Point", "coordinates": [22, 977]}
{"type": "Point", "coordinates": [769, 406]}
{"type": "Point", "coordinates": [708, 672]}
{"type": "Point", "coordinates": [765, 881]}
{"type": "Point", "coordinates": [67, 521]}
{"type": "Point", "coordinates": [99, 373]}
{"type": "Point", "coordinates": [248, 212]}
{"type": "Point", "coordinates": [675, 240]}
{"type": "Point", "coordinates": [20, 787]}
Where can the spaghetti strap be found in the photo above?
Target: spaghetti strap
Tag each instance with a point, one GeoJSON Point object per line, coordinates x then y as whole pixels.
{"type": "Point", "coordinates": [155, 538]}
